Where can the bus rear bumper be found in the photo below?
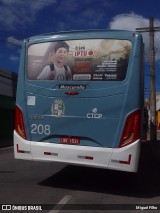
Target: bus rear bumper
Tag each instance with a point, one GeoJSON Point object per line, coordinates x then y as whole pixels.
{"type": "Point", "coordinates": [123, 159]}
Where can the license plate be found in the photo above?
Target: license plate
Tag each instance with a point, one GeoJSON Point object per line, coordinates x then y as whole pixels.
{"type": "Point", "coordinates": [70, 140]}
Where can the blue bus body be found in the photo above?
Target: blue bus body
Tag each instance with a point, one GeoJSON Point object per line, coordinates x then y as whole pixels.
{"type": "Point", "coordinates": [92, 119]}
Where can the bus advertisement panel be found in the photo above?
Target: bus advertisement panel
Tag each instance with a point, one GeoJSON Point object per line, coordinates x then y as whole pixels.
{"type": "Point", "coordinates": [93, 60]}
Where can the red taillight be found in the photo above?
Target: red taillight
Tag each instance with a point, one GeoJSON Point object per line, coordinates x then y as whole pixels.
{"type": "Point", "coordinates": [132, 129]}
{"type": "Point", "coordinates": [71, 93]}
{"type": "Point", "coordinates": [19, 124]}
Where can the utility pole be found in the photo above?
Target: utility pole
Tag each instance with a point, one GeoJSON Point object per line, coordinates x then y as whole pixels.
{"type": "Point", "coordinates": [151, 29]}
{"type": "Point", "coordinates": [153, 129]}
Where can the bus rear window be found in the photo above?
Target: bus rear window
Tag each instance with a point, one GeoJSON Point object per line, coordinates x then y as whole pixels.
{"type": "Point", "coordinates": [89, 59]}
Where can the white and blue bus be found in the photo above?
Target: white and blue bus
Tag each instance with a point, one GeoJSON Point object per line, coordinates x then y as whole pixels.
{"type": "Point", "coordinates": [80, 99]}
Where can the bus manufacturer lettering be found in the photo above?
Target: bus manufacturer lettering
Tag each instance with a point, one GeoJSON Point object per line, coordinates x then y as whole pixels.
{"type": "Point", "coordinates": [70, 86]}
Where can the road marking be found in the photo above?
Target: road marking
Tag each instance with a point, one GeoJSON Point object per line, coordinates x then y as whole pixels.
{"type": "Point", "coordinates": [60, 205]}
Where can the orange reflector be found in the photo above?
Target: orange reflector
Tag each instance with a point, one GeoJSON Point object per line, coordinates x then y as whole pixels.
{"type": "Point", "coordinates": [88, 157]}
{"type": "Point", "coordinates": [47, 153]}
{"type": "Point", "coordinates": [21, 151]}
{"type": "Point", "coordinates": [126, 162]}
{"type": "Point", "coordinates": [18, 150]}
{"type": "Point", "coordinates": [51, 153]}
{"type": "Point", "coordinates": [85, 157]}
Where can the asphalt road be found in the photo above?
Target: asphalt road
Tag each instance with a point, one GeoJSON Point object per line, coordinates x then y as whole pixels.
{"type": "Point", "coordinates": [37, 183]}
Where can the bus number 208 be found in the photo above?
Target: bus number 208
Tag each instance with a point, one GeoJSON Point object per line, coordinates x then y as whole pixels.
{"type": "Point", "coordinates": [40, 129]}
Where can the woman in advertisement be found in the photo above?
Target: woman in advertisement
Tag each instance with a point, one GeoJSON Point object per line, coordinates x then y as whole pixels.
{"type": "Point", "coordinates": [57, 70]}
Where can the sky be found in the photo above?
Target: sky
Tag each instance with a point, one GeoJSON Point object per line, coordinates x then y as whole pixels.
{"type": "Point", "coordinates": [20, 19]}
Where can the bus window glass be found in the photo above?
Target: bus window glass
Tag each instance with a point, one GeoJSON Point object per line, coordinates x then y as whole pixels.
{"type": "Point", "coordinates": [89, 59]}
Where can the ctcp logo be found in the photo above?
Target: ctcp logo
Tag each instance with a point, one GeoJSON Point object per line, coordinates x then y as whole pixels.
{"type": "Point", "coordinates": [94, 114]}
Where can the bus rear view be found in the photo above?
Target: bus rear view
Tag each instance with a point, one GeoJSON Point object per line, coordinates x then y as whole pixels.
{"type": "Point", "coordinates": [80, 99]}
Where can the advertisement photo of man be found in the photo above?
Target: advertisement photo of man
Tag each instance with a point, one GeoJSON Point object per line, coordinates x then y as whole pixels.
{"type": "Point", "coordinates": [57, 69]}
